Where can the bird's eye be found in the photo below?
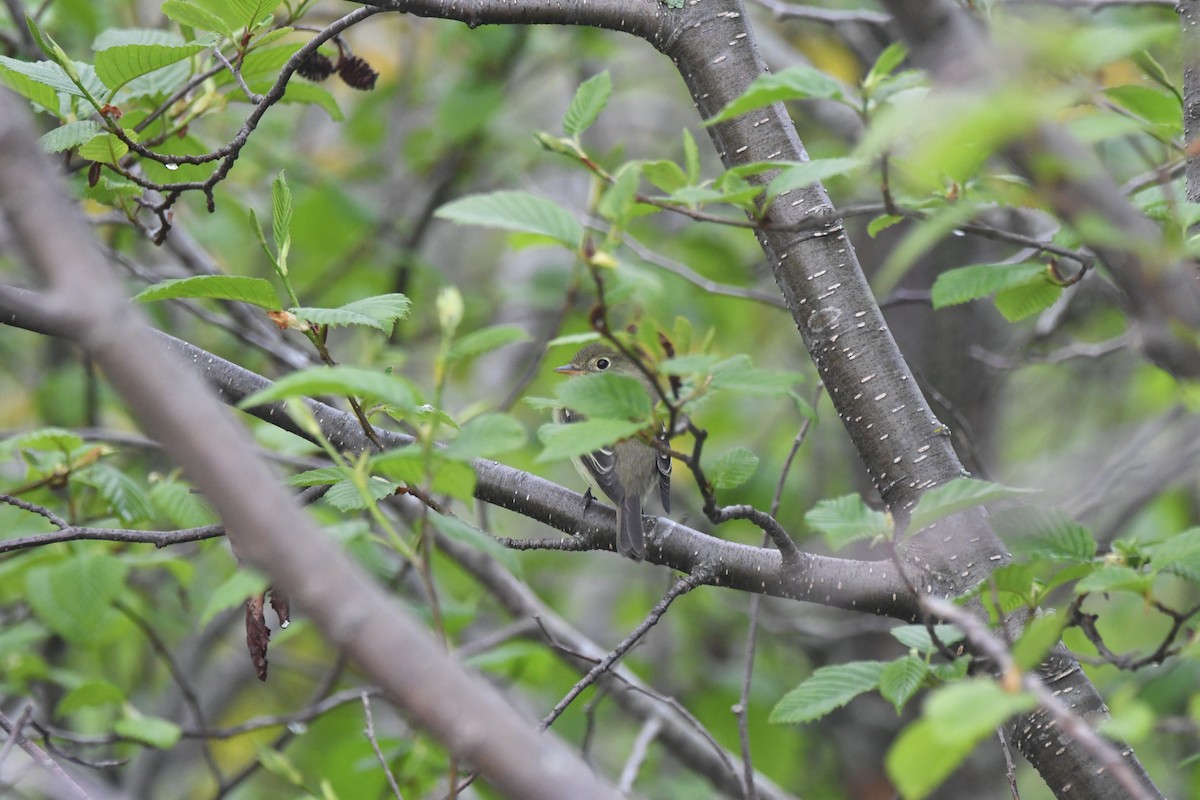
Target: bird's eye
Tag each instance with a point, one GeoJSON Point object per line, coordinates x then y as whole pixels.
{"type": "Point", "coordinates": [602, 363]}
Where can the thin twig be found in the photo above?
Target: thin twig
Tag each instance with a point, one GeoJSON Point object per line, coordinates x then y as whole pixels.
{"type": "Point", "coordinates": [67, 784]}
{"type": "Point", "coordinates": [637, 754]}
{"type": "Point", "coordinates": [370, 733]}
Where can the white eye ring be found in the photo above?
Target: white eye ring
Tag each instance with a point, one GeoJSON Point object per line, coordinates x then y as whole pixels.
{"type": "Point", "coordinates": [602, 363]}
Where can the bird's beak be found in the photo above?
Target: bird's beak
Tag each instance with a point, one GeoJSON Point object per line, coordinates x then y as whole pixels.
{"type": "Point", "coordinates": [569, 369]}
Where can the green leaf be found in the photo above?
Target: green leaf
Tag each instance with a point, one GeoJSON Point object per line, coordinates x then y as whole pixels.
{"type": "Point", "coordinates": [255, 291]}
{"type": "Point", "coordinates": [437, 470]}
{"type": "Point", "coordinates": [346, 495]}
{"type": "Point", "coordinates": [732, 468]}
{"type": "Point", "coordinates": [826, 689]}
{"type": "Point", "coordinates": [281, 219]}
{"type": "Point", "coordinates": [487, 436]}
{"type": "Point", "coordinates": [307, 94]}
{"type": "Point", "coordinates": [516, 211]}
{"type": "Point", "coordinates": [30, 81]}
{"type": "Point", "coordinates": [892, 56]}
{"type": "Point", "coordinates": [1022, 301]}
{"type": "Point", "coordinates": [1043, 533]}
{"type": "Point", "coordinates": [794, 83]}
{"type": "Point", "coordinates": [810, 172]}
{"type": "Point", "coordinates": [691, 157]}
{"type": "Point", "coordinates": [43, 439]}
{"type": "Point", "coordinates": [192, 15]}
{"type": "Point", "coordinates": [485, 340]}
{"type": "Point", "coordinates": [619, 199]}
{"type": "Point", "coordinates": [180, 505]}
{"type": "Point", "coordinates": [380, 312]}
{"type": "Point", "coordinates": [957, 495]}
{"type": "Point", "coordinates": [575, 439]}
{"type": "Point", "coordinates": [74, 598]}
{"type": "Point", "coordinates": [105, 148]}
{"type": "Point", "coordinates": [1178, 555]}
{"type": "Point", "coordinates": [665, 175]}
{"type": "Point", "coordinates": [322, 476]}
{"type": "Point", "coordinates": [152, 731]}
{"type": "Point", "coordinates": [73, 134]}
{"type": "Point", "coordinates": [980, 280]}
{"type": "Point", "coordinates": [901, 679]}
{"type": "Point", "coordinates": [117, 66]}
{"type": "Point", "coordinates": [956, 719]}
{"type": "Point", "coordinates": [459, 531]}
{"type": "Point", "coordinates": [1116, 578]}
{"type": "Point", "coordinates": [882, 223]}
{"type": "Point", "coordinates": [606, 394]}
{"type": "Point", "coordinates": [363, 383]}
{"type": "Point", "coordinates": [737, 374]}
{"type": "Point", "coordinates": [93, 693]}
{"type": "Point", "coordinates": [589, 100]}
{"type": "Point", "coordinates": [1158, 107]}
{"type": "Point", "coordinates": [124, 495]}
{"type": "Point", "coordinates": [916, 637]}
{"type": "Point", "coordinates": [847, 519]}
{"type": "Point", "coordinates": [243, 583]}
{"type": "Point", "coordinates": [1039, 636]}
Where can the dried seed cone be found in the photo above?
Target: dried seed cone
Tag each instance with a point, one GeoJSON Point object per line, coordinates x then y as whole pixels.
{"type": "Point", "coordinates": [317, 67]}
{"type": "Point", "coordinates": [357, 73]}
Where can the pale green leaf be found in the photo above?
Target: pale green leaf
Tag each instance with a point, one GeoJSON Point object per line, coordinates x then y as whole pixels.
{"type": "Point", "coordinates": [1031, 298]}
{"type": "Point", "coordinates": [1039, 636]}
{"type": "Point", "coordinates": [459, 531]}
{"type": "Point", "coordinates": [957, 495]}
{"type": "Point", "coordinates": [1116, 578]}
{"type": "Point", "coordinates": [918, 762]}
{"type": "Point", "coordinates": [380, 312]}
{"type": "Point", "coordinates": [589, 100]}
{"type": "Point", "coordinates": [691, 157]}
{"type": "Point", "coordinates": [192, 15]}
{"type": "Point", "coordinates": [1178, 555]}
{"type": "Point", "coordinates": [125, 496]}
{"type": "Point", "coordinates": [73, 134]}
{"type": "Point", "coordinates": [255, 291]}
{"type": "Point", "coordinates": [346, 495]}
{"type": "Point", "coordinates": [152, 731]}
{"type": "Point", "coordinates": [881, 223]}
{"type": "Point", "coordinates": [737, 374]}
{"type": "Point", "coordinates": [356, 381]}
{"type": "Point", "coordinates": [438, 471]}
{"type": "Point", "coordinates": [807, 173]}
{"type": "Point", "coordinates": [487, 436]}
{"type": "Point", "coordinates": [794, 83]}
{"type": "Point", "coordinates": [179, 504]}
{"type": "Point", "coordinates": [901, 679]}
{"type": "Point", "coordinates": [59, 439]}
{"type": "Point", "coordinates": [665, 175]}
{"type": "Point", "coordinates": [1043, 533]}
{"type": "Point", "coordinates": [732, 468]}
{"type": "Point", "coordinates": [847, 519]}
{"type": "Point", "coordinates": [605, 394]}
{"type": "Point", "coordinates": [485, 340]}
{"type": "Point", "coordinates": [29, 80]}
{"type": "Point", "coordinates": [826, 689]}
{"type": "Point", "coordinates": [74, 598]}
{"type": "Point", "coordinates": [916, 637]}
{"type": "Point", "coordinates": [980, 280]}
{"type": "Point", "coordinates": [322, 476]}
{"type": "Point", "coordinates": [117, 66]}
{"type": "Point", "coordinates": [93, 693]}
{"type": "Point", "coordinates": [105, 148]}
{"type": "Point", "coordinates": [575, 439]}
{"type": "Point", "coordinates": [516, 211]}
{"type": "Point", "coordinates": [281, 218]}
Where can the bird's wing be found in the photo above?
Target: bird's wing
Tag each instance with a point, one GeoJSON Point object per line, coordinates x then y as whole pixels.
{"type": "Point", "coordinates": [600, 464]}
{"type": "Point", "coordinates": [664, 475]}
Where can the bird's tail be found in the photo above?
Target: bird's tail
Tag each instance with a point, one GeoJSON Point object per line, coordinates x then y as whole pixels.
{"type": "Point", "coordinates": [630, 541]}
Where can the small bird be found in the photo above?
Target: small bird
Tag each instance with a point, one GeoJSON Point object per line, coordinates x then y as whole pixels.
{"type": "Point", "coordinates": [625, 471]}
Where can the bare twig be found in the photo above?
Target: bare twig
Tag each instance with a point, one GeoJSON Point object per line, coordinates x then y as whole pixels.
{"type": "Point", "coordinates": [66, 784]}
{"type": "Point", "coordinates": [370, 734]}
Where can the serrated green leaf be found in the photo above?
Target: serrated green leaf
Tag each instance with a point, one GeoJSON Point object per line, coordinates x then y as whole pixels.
{"type": "Point", "coordinates": [177, 502]}
{"type": "Point", "coordinates": [1116, 578]}
{"type": "Point", "coordinates": [233, 591]}
{"type": "Point", "coordinates": [1158, 107]}
{"type": "Point", "coordinates": [28, 81]}
{"type": "Point", "coordinates": [73, 134]}
{"type": "Point", "coordinates": [973, 709]}
{"type": "Point", "coordinates": [1031, 298]}
{"type": "Point", "coordinates": [117, 66]}
{"type": "Point", "coordinates": [732, 468]}
{"type": "Point", "coordinates": [618, 200]}
{"type": "Point", "coordinates": [1043, 533]}
{"type": "Point", "coordinates": [826, 689]}
{"type": "Point", "coordinates": [589, 100]}
{"type": "Point", "coordinates": [957, 495]}
{"type": "Point", "coordinates": [255, 291]}
{"type": "Point", "coordinates": [43, 439]}
{"type": "Point", "coordinates": [125, 496]}
{"type": "Point", "coordinates": [881, 223]}
{"type": "Point", "coordinates": [516, 211]}
{"type": "Point", "coordinates": [363, 383]}
{"type": "Point", "coordinates": [980, 280]}
{"type": "Point", "coordinates": [737, 374]}
{"type": "Point", "coordinates": [847, 519]}
{"type": "Point", "coordinates": [380, 312]}
{"type": "Point", "coordinates": [308, 94]}
{"type": "Point", "coordinates": [105, 148]}
{"type": "Point", "coordinates": [321, 476]}
{"type": "Point", "coordinates": [794, 83]}
{"type": "Point", "coordinates": [74, 597]}
{"type": "Point", "coordinates": [441, 472]}
{"type": "Point", "coordinates": [281, 218]}
{"type": "Point", "coordinates": [346, 495]}
{"type": "Point", "coordinates": [698, 364]}
{"type": "Point", "coordinates": [1039, 636]}
{"type": "Point", "coordinates": [901, 679]}
{"type": "Point", "coordinates": [487, 436]}
{"type": "Point", "coordinates": [1178, 555]}
{"type": "Point", "coordinates": [575, 439]}
{"type": "Point", "coordinates": [916, 637]}
{"type": "Point", "coordinates": [456, 529]}
{"type": "Point", "coordinates": [665, 175]}
{"type": "Point", "coordinates": [606, 394]}
{"type": "Point", "coordinates": [691, 157]}
{"type": "Point", "coordinates": [152, 731]}
{"type": "Point", "coordinates": [192, 15]}
{"type": "Point", "coordinates": [485, 340]}
{"type": "Point", "coordinates": [808, 173]}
